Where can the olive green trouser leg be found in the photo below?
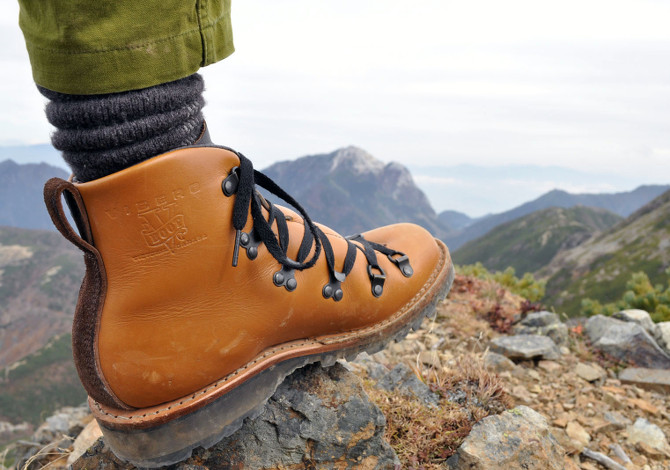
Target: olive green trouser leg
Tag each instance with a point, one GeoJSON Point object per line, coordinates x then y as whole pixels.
{"type": "Point", "coordinates": [87, 47]}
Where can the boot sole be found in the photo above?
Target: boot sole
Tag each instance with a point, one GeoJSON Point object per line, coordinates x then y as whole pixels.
{"type": "Point", "coordinates": [167, 434]}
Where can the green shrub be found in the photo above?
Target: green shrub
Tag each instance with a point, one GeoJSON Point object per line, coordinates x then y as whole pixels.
{"type": "Point", "coordinates": [639, 294]}
{"type": "Point", "coordinates": [527, 286]}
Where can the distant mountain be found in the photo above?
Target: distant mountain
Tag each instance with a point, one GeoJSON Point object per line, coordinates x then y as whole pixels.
{"type": "Point", "coordinates": [600, 267]}
{"type": "Point", "coordinates": [21, 200]}
{"type": "Point", "coordinates": [40, 153]}
{"type": "Point", "coordinates": [482, 189]}
{"type": "Point", "coordinates": [40, 275]}
{"type": "Point", "coordinates": [530, 242]}
{"type": "Point", "coordinates": [351, 191]}
{"type": "Point", "coordinates": [455, 220]}
{"type": "Point", "coordinates": [623, 204]}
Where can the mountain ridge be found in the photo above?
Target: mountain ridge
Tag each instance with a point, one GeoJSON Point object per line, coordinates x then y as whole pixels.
{"type": "Point", "coordinates": [22, 185]}
{"type": "Point", "coordinates": [351, 191]}
{"type": "Point", "coordinates": [530, 242]}
{"type": "Point", "coordinates": [622, 203]}
{"type": "Point", "coordinates": [600, 267]}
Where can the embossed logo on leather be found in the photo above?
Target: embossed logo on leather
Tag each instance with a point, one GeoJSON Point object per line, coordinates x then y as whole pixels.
{"type": "Point", "coordinates": [163, 224]}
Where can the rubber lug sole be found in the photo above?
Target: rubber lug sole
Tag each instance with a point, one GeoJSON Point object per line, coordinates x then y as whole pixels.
{"type": "Point", "coordinates": [173, 441]}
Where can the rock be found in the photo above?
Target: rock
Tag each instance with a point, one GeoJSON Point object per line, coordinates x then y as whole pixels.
{"type": "Point", "coordinates": [402, 379]}
{"type": "Point", "coordinates": [640, 317]}
{"type": "Point", "coordinates": [543, 324]}
{"type": "Point", "coordinates": [430, 358]}
{"type": "Point", "coordinates": [558, 333]}
{"type": "Point", "coordinates": [550, 367]}
{"type": "Point", "coordinates": [617, 419]}
{"type": "Point", "coordinates": [644, 405]}
{"type": "Point", "coordinates": [317, 418]}
{"type": "Point", "coordinates": [498, 362]}
{"type": "Point", "coordinates": [662, 334]}
{"type": "Point", "coordinates": [516, 439]}
{"type": "Point", "coordinates": [627, 342]}
{"type": "Point", "coordinates": [648, 433]}
{"type": "Point", "coordinates": [373, 368]}
{"type": "Point", "coordinates": [84, 440]}
{"type": "Point", "coordinates": [562, 420]}
{"type": "Point", "coordinates": [522, 394]}
{"type": "Point", "coordinates": [539, 319]}
{"type": "Point", "coordinates": [577, 433]}
{"type": "Point", "coordinates": [590, 372]}
{"type": "Point", "coordinates": [649, 379]}
{"type": "Point", "coordinates": [650, 451]}
{"type": "Point", "coordinates": [67, 421]}
{"type": "Point", "coordinates": [525, 347]}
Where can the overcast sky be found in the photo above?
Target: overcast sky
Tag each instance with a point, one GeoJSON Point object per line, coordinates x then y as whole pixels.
{"type": "Point", "coordinates": [581, 84]}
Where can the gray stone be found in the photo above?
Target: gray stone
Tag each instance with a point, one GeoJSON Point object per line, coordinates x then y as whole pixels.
{"type": "Point", "coordinates": [662, 335]}
{"type": "Point", "coordinates": [498, 362]}
{"type": "Point", "coordinates": [516, 439]}
{"type": "Point", "coordinates": [403, 380]}
{"type": "Point", "coordinates": [640, 317]}
{"type": "Point", "coordinates": [544, 324]}
{"type": "Point", "coordinates": [317, 418]}
{"type": "Point", "coordinates": [649, 434]}
{"type": "Point", "coordinates": [374, 369]}
{"type": "Point", "coordinates": [590, 372]}
{"type": "Point", "coordinates": [68, 420]}
{"type": "Point", "coordinates": [650, 379]}
{"type": "Point", "coordinates": [627, 342]}
{"type": "Point", "coordinates": [558, 333]}
{"type": "Point", "coordinates": [617, 419]}
{"type": "Point", "coordinates": [526, 347]}
{"type": "Point", "coordinates": [539, 319]}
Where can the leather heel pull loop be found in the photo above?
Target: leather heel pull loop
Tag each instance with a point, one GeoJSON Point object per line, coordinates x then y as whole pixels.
{"type": "Point", "coordinates": [53, 190]}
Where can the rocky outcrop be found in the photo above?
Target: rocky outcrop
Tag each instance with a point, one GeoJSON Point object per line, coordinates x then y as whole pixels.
{"type": "Point", "coordinates": [317, 418]}
{"type": "Point", "coordinates": [640, 317]}
{"type": "Point", "coordinates": [516, 439]}
{"type": "Point", "coordinates": [351, 191]}
{"type": "Point", "coordinates": [627, 342]}
{"type": "Point", "coordinates": [662, 335]}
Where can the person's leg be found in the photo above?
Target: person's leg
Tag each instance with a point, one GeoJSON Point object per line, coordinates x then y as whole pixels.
{"type": "Point", "coordinates": [120, 76]}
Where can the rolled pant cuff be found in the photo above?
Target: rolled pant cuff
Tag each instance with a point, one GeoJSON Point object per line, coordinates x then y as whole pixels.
{"type": "Point", "coordinates": [119, 65]}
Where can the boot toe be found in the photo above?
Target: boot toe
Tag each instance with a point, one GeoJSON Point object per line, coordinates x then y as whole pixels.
{"type": "Point", "coordinates": [421, 248]}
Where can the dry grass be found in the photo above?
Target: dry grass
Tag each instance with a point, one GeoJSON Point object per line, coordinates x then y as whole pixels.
{"type": "Point", "coordinates": [424, 437]}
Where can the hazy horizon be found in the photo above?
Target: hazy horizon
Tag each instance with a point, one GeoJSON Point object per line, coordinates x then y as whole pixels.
{"type": "Point", "coordinates": [464, 188]}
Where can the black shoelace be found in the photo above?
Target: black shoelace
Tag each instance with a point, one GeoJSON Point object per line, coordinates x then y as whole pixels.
{"type": "Point", "coordinates": [242, 181]}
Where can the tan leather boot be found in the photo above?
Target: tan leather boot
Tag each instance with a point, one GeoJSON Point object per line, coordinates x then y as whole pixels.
{"type": "Point", "coordinates": [200, 296]}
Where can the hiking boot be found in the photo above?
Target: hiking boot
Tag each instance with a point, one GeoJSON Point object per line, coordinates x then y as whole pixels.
{"type": "Point", "coordinates": [201, 296]}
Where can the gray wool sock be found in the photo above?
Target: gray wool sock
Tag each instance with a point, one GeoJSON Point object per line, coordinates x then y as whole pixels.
{"type": "Point", "coordinates": [102, 134]}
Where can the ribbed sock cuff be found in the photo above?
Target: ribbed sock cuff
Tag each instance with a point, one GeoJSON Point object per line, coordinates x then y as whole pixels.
{"type": "Point", "coordinates": [102, 134]}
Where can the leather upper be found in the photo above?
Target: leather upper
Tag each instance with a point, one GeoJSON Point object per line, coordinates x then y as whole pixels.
{"type": "Point", "coordinates": [178, 316]}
